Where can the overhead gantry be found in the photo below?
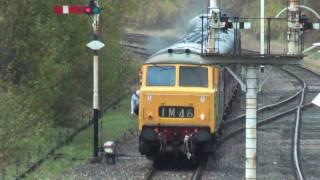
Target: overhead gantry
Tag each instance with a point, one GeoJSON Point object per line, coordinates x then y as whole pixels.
{"type": "Point", "coordinates": [293, 54]}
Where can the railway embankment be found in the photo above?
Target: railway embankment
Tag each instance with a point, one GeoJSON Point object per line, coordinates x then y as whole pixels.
{"type": "Point", "coordinates": [117, 124]}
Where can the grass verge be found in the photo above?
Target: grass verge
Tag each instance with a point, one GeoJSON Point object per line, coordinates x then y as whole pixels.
{"type": "Point", "coordinates": [114, 124]}
{"type": "Point", "coordinates": [313, 62]}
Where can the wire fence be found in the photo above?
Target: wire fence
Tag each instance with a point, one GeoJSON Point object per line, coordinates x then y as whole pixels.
{"type": "Point", "coordinates": [34, 157]}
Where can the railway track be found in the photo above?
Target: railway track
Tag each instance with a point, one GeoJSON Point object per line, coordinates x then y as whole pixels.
{"type": "Point", "coordinates": [301, 95]}
{"type": "Point", "coordinates": [197, 175]}
{"type": "Point", "coordinates": [293, 108]}
{"type": "Point", "coordinates": [154, 173]}
{"type": "Point", "coordinates": [136, 38]}
{"type": "Point", "coordinates": [137, 49]}
{"type": "Point", "coordinates": [296, 140]}
{"type": "Point", "coordinates": [135, 43]}
{"type": "Point", "coordinates": [302, 104]}
{"type": "Point", "coordinates": [228, 163]}
{"type": "Point", "coordinates": [145, 45]}
{"type": "Point", "coordinates": [312, 88]}
{"type": "Point", "coordinates": [150, 173]}
{"type": "Point", "coordinates": [238, 121]}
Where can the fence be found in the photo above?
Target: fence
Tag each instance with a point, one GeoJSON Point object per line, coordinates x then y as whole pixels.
{"type": "Point", "coordinates": [33, 158]}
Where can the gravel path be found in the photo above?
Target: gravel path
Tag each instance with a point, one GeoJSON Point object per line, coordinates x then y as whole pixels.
{"type": "Point", "coordinates": [133, 166]}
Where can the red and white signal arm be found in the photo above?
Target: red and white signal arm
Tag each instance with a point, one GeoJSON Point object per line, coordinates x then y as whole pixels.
{"type": "Point", "coordinates": [74, 9]}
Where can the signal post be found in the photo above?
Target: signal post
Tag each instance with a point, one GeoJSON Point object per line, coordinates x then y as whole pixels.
{"type": "Point", "coordinates": [95, 46]}
{"type": "Point", "coordinates": [94, 10]}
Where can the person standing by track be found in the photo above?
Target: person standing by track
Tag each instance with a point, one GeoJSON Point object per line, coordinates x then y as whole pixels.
{"type": "Point", "coordinates": [135, 102]}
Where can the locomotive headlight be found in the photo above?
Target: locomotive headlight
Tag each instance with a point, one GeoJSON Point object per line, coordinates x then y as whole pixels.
{"type": "Point", "coordinates": [202, 117]}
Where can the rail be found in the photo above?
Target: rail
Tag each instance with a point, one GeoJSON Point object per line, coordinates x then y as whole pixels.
{"type": "Point", "coordinates": [150, 173]}
{"type": "Point", "coordinates": [297, 110]}
{"type": "Point", "coordinates": [197, 175]}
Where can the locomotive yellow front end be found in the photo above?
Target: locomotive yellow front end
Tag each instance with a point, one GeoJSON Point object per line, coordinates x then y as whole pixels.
{"type": "Point", "coordinates": [177, 108]}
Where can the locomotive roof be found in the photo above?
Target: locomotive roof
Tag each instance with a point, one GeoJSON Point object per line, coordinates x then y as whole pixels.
{"type": "Point", "coordinates": [189, 49]}
{"type": "Point", "coordinates": [177, 58]}
{"type": "Point", "coordinates": [178, 54]}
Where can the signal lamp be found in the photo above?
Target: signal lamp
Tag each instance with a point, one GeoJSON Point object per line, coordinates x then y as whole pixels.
{"type": "Point", "coordinates": [87, 10]}
{"type": "Point", "coordinates": [92, 10]}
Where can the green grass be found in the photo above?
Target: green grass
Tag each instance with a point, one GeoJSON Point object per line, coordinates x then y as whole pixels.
{"type": "Point", "coordinates": [36, 148]}
{"type": "Point", "coordinates": [315, 56]}
{"type": "Point", "coordinates": [313, 62]}
{"type": "Point", "coordinates": [114, 124]}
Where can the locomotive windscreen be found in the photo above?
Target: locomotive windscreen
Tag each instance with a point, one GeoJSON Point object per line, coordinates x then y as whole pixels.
{"type": "Point", "coordinates": [193, 77]}
{"type": "Point", "coordinates": [161, 76]}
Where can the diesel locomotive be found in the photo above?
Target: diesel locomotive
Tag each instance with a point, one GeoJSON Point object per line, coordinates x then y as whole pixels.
{"type": "Point", "coordinates": [182, 98]}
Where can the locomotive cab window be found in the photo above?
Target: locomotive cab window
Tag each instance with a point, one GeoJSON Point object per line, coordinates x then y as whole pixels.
{"type": "Point", "coordinates": [161, 76]}
{"type": "Point", "coordinates": [193, 76]}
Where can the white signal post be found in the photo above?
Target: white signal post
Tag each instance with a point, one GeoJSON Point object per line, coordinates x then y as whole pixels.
{"type": "Point", "coordinates": [92, 9]}
{"type": "Point", "coordinates": [214, 15]}
{"type": "Point", "coordinates": [262, 27]}
{"type": "Point", "coordinates": [95, 46]}
{"type": "Point", "coordinates": [96, 107]}
{"type": "Point", "coordinates": [293, 27]}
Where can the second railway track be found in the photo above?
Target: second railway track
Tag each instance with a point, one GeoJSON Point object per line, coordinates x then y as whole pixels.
{"type": "Point", "coordinates": [283, 121]}
{"type": "Point", "coordinates": [287, 118]}
{"type": "Point", "coordinates": [306, 145]}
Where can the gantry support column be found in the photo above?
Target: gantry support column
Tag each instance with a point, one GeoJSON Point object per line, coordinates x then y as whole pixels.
{"type": "Point", "coordinates": [251, 122]}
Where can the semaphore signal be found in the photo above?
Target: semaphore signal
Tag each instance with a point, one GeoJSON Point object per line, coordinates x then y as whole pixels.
{"type": "Point", "coordinates": [91, 9]}
{"type": "Point", "coordinates": [76, 9]}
